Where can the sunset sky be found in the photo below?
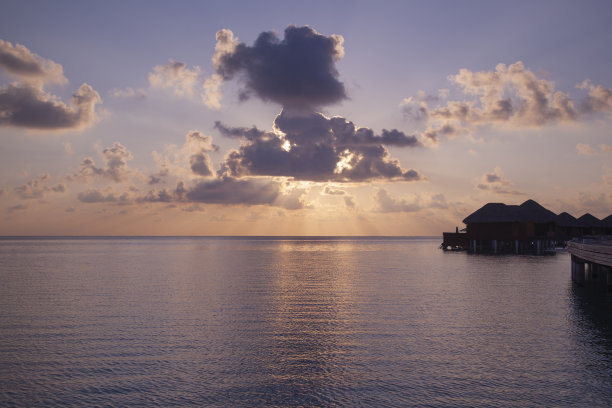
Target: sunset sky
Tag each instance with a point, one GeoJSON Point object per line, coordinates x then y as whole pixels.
{"type": "Point", "coordinates": [299, 118]}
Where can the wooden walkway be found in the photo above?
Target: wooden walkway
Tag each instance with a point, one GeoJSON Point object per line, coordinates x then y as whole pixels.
{"type": "Point", "coordinates": [593, 251]}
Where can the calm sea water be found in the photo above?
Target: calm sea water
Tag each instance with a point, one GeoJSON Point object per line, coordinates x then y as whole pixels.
{"type": "Point", "coordinates": [232, 322]}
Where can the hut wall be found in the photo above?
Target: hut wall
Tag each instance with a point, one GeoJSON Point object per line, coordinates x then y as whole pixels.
{"type": "Point", "coordinates": [507, 231]}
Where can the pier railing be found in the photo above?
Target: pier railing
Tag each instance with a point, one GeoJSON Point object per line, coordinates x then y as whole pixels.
{"type": "Point", "coordinates": [592, 261]}
{"type": "Point", "coordinates": [592, 249]}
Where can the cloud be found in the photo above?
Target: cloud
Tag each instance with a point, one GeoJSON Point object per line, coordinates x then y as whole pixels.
{"type": "Point", "coordinates": [226, 44]}
{"type": "Point", "coordinates": [599, 98]}
{"type": "Point", "coordinates": [22, 105]}
{"type": "Point", "coordinates": [314, 147]}
{"type": "Point", "coordinates": [193, 208]}
{"type": "Point", "coordinates": [17, 60]}
{"type": "Point", "coordinates": [153, 196]}
{"type": "Point", "coordinates": [18, 207]}
{"type": "Point", "coordinates": [415, 107]}
{"type": "Point", "coordinates": [25, 103]}
{"type": "Point", "coordinates": [198, 144]}
{"type": "Point", "coordinates": [212, 92]}
{"type": "Point", "coordinates": [387, 204]}
{"type": "Point", "coordinates": [595, 203]}
{"type": "Point", "coordinates": [200, 164]}
{"type": "Point", "coordinates": [176, 76]}
{"type": "Point", "coordinates": [96, 196]}
{"type": "Point", "coordinates": [511, 96]}
{"type": "Point", "coordinates": [333, 192]}
{"type": "Point", "coordinates": [116, 158]}
{"type": "Point", "coordinates": [349, 201]}
{"type": "Point", "coordinates": [496, 183]}
{"type": "Point", "coordinates": [128, 93]}
{"type": "Point", "coordinates": [38, 187]}
{"type": "Point", "coordinates": [607, 177]}
{"type": "Point", "coordinates": [116, 169]}
{"type": "Point", "coordinates": [190, 159]}
{"type": "Point", "coordinates": [231, 191]}
{"type": "Point", "coordinates": [586, 149]}
{"type": "Point", "coordinates": [438, 201]}
{"type": "Point", "coordinates": [297, 72]}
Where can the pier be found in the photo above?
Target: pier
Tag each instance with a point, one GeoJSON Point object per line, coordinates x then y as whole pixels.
{"type": "Point", "coordinates": [592, 261]}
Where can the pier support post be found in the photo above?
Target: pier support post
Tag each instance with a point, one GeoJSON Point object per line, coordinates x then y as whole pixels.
{"type": "Point", "coordinates": [578, 271]}
{"type": "Point", "coordinates": [588, 272]}
{"type": "Point", "coordinates": [494, 246]}
{"type": "Point", "coordinates": [516, 247]}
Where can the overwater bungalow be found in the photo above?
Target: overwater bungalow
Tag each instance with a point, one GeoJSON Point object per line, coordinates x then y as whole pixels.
{"type": "Point", "coordinates": [526, 228]}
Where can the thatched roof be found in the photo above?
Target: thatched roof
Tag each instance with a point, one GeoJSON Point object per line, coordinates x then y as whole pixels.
{"type": "Point", "coordinates": [588, 220]}
{"type": "Point", "coordinates": [566, 220]}
{"type": "Point", "coordinates": [607, 222]}
{"type": "Point", "coordinates": [529, 211]}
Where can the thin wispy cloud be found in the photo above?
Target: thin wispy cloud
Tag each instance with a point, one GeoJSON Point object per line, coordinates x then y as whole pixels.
{"type": "Point", "coordinates": [495, 182]}
{"type": "Point", "coordinates": [586, 149]}
{"type": "Point", "coordinates": [38, 187]}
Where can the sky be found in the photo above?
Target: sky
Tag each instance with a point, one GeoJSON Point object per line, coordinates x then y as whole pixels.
{"type": "Point", "coordinates": [299, 118]}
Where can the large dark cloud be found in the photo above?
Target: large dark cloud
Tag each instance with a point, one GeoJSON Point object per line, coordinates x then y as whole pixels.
{"type": "Point", "coordinates": [298, 71]}
{"type": "Point", "coordinates": [313, 147]}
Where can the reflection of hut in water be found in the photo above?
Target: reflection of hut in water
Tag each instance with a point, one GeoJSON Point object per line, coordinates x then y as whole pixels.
{"type": "Point", "coordinates": [525, 228]}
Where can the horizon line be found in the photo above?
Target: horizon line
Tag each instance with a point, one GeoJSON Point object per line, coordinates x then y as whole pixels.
{"type": "Point", "coordinates": [7, 237]}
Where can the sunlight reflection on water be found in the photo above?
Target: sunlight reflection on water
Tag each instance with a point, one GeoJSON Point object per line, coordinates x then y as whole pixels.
{"type": "Point", "coordinates": [295, 322]}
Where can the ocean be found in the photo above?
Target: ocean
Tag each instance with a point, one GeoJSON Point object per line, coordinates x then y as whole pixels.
{"type": "Point", "coordinates": [295, 322]}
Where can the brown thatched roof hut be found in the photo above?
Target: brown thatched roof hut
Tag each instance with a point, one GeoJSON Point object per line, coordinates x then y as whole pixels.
{"type": "Point", "coordinates": [589, 221]}
{"type": "Point", "coordinates": [529, 211]}
{"type": "Point", "coordinates": [566, 220]}
{"type": "Point", "coordinates": [498, 227]}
